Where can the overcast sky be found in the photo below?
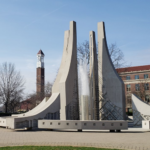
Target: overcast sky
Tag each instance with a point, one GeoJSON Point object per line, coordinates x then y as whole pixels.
{"type": "Point", "coordinates": [29, 25]}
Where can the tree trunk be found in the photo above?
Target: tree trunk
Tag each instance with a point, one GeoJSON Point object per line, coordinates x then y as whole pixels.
{"type": "Point", "coordinates": [6, 107]}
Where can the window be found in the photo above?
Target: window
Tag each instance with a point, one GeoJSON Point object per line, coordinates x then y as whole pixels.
{"type": "Point", "coordinates": [147, 98]}
{"type": "Point", "coordinates": [128, 87]}
{"type": "Point", "coordinates": [127, 77]}
{"type": "Point", "coordinates": [146, 86]}
{"type": "Point", "coordinates": [145, 76]}
{"type": "Point", "coordinates": [137, 87]}
{"type": "Point", "coordinates": [136, 76]}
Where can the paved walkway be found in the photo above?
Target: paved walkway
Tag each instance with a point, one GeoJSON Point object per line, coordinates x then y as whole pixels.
{"type": "Point", "coordinates": [132, 139]}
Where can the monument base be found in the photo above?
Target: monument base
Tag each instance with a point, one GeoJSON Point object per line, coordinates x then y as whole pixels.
{"type": "Point", "coordinates": [111, 125]}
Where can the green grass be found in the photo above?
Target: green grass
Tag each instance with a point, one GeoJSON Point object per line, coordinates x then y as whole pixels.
{"type": "Point", "coordinates": [51, 148]}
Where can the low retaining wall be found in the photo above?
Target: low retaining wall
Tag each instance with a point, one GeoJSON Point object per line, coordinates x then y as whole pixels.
{"type": "Point", "coordinates": [83, 125]}
{"type": "Point", "coordinates": [2, 122]}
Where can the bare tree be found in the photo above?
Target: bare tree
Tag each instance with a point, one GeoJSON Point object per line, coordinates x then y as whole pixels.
{"type": "Point", "coordinates": [15, 102]}
{"type": "Point", "coordinates": [48, 89]}
{"type": "Point", "coordinates": [83, 51]}
{"type": "Point", "coordinates": [11, 86]}
{"type": "Point", "coordinates": [116, 54]}
{"type": "Point", "coordinates": [2, 108]}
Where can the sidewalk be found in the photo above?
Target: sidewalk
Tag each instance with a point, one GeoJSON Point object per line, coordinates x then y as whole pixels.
{"type": "Point", "coordinates": [134, 138]}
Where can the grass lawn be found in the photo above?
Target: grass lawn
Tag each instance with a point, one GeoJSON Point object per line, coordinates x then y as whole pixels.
{"type": "Point", "coordinates": [51, 148]}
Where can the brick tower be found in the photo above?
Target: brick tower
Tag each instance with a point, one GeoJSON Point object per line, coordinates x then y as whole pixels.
{"type": "Point", "coordinates": [40, 73]}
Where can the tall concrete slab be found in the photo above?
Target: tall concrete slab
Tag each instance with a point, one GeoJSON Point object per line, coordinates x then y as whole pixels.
{"type": "Point", "coordinates": [67, 77]}
{"type": "Point", "coordinates": [111, 86]}
{"type": "Point", "coordinates": [93, 77]}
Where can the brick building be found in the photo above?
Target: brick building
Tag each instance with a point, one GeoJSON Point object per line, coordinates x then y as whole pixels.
{"type": "Point", "coordinates": [137, 81]}
{"type": "Point", "coordinates": [40, 75]}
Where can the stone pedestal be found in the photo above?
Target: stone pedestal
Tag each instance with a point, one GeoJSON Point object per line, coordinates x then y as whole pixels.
{"type": "Point", "coordinates": [146, 124]}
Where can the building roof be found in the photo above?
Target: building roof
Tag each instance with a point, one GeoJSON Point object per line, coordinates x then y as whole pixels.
{"type": "Point", "coordinates": [40, 52]}
{"type": "Point", "coordinates": [134, 68]}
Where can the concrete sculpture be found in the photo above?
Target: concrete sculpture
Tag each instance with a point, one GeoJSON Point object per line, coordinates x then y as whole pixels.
{"type": "Point", "coordinates": [141, 110]}
{"type": "Point", "coordinates": [61, 110]}
{"type": "Point", "coordinates": [111, 86]}
{"type": "Point", "coordinates": [94, 93]}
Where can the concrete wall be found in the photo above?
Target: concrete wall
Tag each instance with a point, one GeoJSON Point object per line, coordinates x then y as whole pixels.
{"type": "Point", "coordinates": [111, 85]}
